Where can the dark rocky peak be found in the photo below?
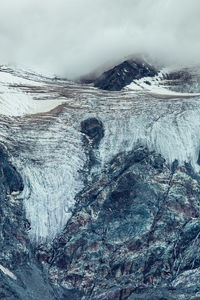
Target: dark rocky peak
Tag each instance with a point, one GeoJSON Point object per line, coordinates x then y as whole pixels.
{"type": "Point", "coordinates": [123, 74]}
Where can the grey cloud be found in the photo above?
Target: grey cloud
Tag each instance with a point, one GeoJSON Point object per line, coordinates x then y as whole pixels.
{"type": "Point", "coordinates": [74, 37]}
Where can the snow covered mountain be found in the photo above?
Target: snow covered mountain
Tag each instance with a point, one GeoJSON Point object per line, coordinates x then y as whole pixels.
{"type": "Point", "coordinates": [60, 136]}
{"type": "Point", "coordinates": [40, 126]}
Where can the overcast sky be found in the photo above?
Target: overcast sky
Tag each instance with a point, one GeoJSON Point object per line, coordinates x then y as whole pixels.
{"type": "Point", "coordinates": [74, 37]}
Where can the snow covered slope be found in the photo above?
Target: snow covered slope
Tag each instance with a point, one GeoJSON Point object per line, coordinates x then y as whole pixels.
{"type": "Point", "coordinates": [159, 86]}
{"type": "Point", "coordinates": [40, 121]}
{"type": "Point", "coordinates": [13, 101]}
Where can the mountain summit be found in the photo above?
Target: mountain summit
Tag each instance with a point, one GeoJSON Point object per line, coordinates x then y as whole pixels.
{"type": "Point", "coordinates": [123, 74]}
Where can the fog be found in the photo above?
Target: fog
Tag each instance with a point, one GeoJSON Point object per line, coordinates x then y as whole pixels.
{"type": "Point", "coordinates": [74, 37]}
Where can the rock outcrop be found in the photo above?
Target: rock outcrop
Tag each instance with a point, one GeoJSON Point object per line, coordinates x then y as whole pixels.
{"type": "Point", "coordinates": [123, 74]}
{"type": "Point", "coordinates": [134, 233]}
{"type": "Point", "coordinates": [93, 131]}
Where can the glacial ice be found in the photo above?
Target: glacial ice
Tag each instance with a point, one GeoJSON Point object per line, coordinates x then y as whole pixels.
{"type": "Point", "coordinates": [173, 136]}
{"type": "Point", "coordinates": [47, 148]}
{"type": "Point", "coordinates": [49, 160]}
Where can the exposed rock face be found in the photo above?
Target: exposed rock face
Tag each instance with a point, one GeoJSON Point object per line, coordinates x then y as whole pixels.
{"type": "Point", "coordinates": [123, 74]}
{"type": "Point", "coordinates": [13, 224]}
{"type": "Point", "coordinates": [185, 80]}
{"type": "Point", "coordinates": [11, 180]}
{"type": "Point", "coordinates": [134, 233]}
{"type": "Point", "coordinates": [93, 131]}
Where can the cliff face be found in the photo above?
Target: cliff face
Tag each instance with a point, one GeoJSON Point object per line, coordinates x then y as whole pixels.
{"type": "Point", "coordinates": [100, 196]}
{"type": "Point", "coordinates": [134, 233]}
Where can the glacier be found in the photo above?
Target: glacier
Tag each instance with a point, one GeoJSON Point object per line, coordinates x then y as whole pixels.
{"type": "Point", "coordinates": [40, 121]}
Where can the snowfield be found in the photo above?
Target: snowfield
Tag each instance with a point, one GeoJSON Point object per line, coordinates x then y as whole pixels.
{"type": "Point", "coordinates": [14, 102]}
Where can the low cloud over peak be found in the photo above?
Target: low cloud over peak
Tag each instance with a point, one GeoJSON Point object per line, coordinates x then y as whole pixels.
{"type": "Point", "coordinates": [74, 37]}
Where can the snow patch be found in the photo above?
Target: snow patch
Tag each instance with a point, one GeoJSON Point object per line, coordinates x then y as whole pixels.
{"type": "Point", "coordinates": [15, 102]}
{"type": "Point", "coordinates": [8, 272]}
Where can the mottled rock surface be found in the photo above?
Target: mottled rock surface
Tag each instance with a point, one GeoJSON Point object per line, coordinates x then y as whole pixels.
{"type": "Point", "coordinates": [134, 233]}
{"type": "Point", "coordinates": [93, 131]}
